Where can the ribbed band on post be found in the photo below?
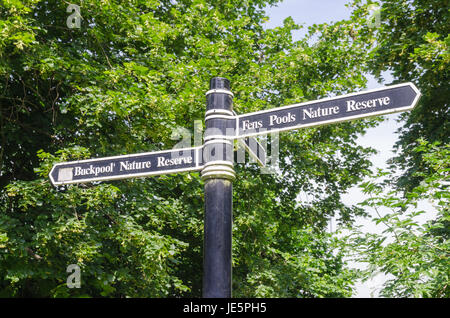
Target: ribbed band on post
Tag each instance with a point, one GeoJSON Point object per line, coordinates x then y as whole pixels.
{"type": "Point", "coordinates": [219, 116]}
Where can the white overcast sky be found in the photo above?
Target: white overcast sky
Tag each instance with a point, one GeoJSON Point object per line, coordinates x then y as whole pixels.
{"type": "Point", "coordinates": [382, 138]}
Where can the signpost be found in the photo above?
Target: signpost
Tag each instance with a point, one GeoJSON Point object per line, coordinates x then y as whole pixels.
{"type": "Point", "coordinates": [127, 166]}
{"type": "Point", "coordinates": [376, 102]}
{"type": "Point", "coordinates": [255, 150]}
{"type": "Point", "coordinates": [215, 157]}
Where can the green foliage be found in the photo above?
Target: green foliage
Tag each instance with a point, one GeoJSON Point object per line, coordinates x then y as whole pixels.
{"type": "Point", "coordinates": [82, 227]}
{"type": "Point", "coordinates": [414, 253]}
{"type": "Point", "coordinates": [122, 83]}
{"type": "Point", "coordinates": [302, 264]}
{"type": "Point", "coordinates": [412, 43]}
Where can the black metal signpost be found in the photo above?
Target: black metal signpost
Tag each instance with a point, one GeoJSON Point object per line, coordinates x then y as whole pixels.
{"type": "Point", "coordinates": [215, 157]}
{"type": "Point", "coordinates": [127, 166]}
{"type": "Point", "coordinates": [376, 102]}
{"type": "Point", "coordinates": [218, 175]}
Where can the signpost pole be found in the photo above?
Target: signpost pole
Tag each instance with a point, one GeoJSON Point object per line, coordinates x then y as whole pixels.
{"type": "Point", "coordinates": [216, 161]}
{"type": "Point", "coordinates": [218, 174]}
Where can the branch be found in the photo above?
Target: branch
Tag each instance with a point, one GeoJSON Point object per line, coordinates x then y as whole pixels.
{"type": "Point", "coordinates": [32, 254]}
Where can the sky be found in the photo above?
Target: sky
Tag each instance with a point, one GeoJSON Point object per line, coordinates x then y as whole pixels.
{"type": "Point", "coordinates": [307, 12]}
{"type": "Point", "coordinates": [382, 138]}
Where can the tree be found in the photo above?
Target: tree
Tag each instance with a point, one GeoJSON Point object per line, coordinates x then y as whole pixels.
{"type": "Point", "coordinates": [413, 253]}
{"type": "Point", "coordinates": [122, 83]}
{"type": "Point", "coordinates": [412, 43]}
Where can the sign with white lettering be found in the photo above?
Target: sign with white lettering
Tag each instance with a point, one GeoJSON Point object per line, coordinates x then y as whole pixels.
{"type": "Point", "coordinates": [381, 101]}
{"type": "Point", "coordinates": [127, 166]}
{"type": "Point", "coordinates": [391, 99]}
{"type": "Point", "coordinates": [214, 157]}
{"type": "Point", "coordinates": [254, 148]}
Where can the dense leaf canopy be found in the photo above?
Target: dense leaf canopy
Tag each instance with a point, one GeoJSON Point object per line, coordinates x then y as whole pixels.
{"type": "Point", "coordinates": [413, 45]}
{"type": "Point", "coordinates": [122, 83]}
{"type": "Point", "coordinates": [126, 81]}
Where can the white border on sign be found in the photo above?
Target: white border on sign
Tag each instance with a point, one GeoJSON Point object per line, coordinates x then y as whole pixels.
{"type": "Point", "coordinates": [330, 121]}
{"type": "Point", "coordinates": [134, 175]}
